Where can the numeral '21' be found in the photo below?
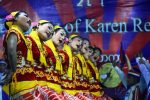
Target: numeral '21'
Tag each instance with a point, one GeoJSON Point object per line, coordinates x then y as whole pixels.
{"type": "Point", "coordinates": [88, 3]}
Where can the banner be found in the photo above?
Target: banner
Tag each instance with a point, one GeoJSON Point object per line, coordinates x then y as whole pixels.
{"type": "Point", "coordinates": [106, 23]}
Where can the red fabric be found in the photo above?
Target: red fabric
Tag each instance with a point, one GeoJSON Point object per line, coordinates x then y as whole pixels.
{"type": "Point", "coordinates": [81, 96]}
{"type": "Point", "coordinates": [21, 52]}
{"type": "Point", "coordinates": [27, 76]}
{"type": "Point", "coordinates": [36, 57]}
{"type": "Point", "coordinates": [65, 62]}
{"type": "Point", "coordinates": [35, 50]}
{"type": "Point", "coordinates": [91, 70]}
{"type": "Point", "coordinates": [50, 56]}
{"type": "Point", "coordinates": [34, 95]}
{"type": "Point", "coordinates": [21, 46]}
{"type": "Point", "coordinates": [40, 71]}
{"type": "Point", "coordinates": [69, 97]}
{"type": "Point", "coordinates": [125, 70]}
{"type": "Point", "coordinates": [43, 93]}
{"type": "Point", "coordinates": [50, 94]}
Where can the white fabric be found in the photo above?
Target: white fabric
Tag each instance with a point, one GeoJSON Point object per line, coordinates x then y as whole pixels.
{"type": "Point", "coordinates": [122, 76]}
{"type": "Point", "coordinates": [143, 68]}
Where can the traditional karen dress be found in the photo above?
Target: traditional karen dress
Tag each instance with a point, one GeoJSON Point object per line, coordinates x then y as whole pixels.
{"type": "Point", "coordinates": [39, 58]}
{"type": "Point", "coordinates": [69, 63]}
{"type": "Point", "coordinates": [54, 69]}
{"type": "Point", "coordinates": [23, 80]}
{"type": "Point", "coordinates": [40, 66]}
{"type": "Point", "coordinates": [82, 71]}
{"type": "Point", "coordinates": [95, 87]}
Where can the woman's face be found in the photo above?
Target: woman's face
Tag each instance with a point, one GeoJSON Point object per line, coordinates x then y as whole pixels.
{"type": "Point", "coordinates": [23, 21]}
{"type": "Point", "coordinates": [88, 53]}
{"type": "Point", "coordinates": [85, 45]}
{"type": "Point", "coordinates": [45, 31]}
{"type": "Point", "coordinates": [95, 56]}
{"type": "Point", "coordinates": [76, 43]}
{"type": "Point", "coordinates": [59, 37]}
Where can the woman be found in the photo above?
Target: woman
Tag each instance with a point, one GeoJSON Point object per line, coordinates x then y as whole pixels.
{"type": "Point", "coordinates": [18, 54]}
{"type": "Point", "coordinates": [82, 63]}
{"type": "Point", "coordinates": [71, 66]}
{"type": "Point", "coordinates": [38, 35]}
{"type": "Point", "coordinates": [54, 69]}
{"type": "Point", "coordinates": [92, 75]}
{"type": "Point", "coordinates": [95, 88]}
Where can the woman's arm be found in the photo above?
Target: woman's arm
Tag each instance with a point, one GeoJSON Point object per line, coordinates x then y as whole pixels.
{"type": "Point", "coordinates": [12, 51]}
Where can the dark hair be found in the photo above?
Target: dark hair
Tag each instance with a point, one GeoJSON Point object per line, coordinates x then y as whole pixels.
{"type": "Point", "coordinates": [46, 23]}
{"type": "Point", "coordinates": [17, 14]}
{"type": "Point", "coordinates": [98, 49]}
{"type": "Point", "coordinates": [91, 48]}
{"type": "Point", "coordinates": [85, 39]}
{"type": "Point", "coordinates": [6, 26]}
{"type": "Point", "coordinates": [76, 37]}
{"type": "Point", "coordinates": [35, 27]}
{"type": "Point", "coordinates": [56, 30]}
